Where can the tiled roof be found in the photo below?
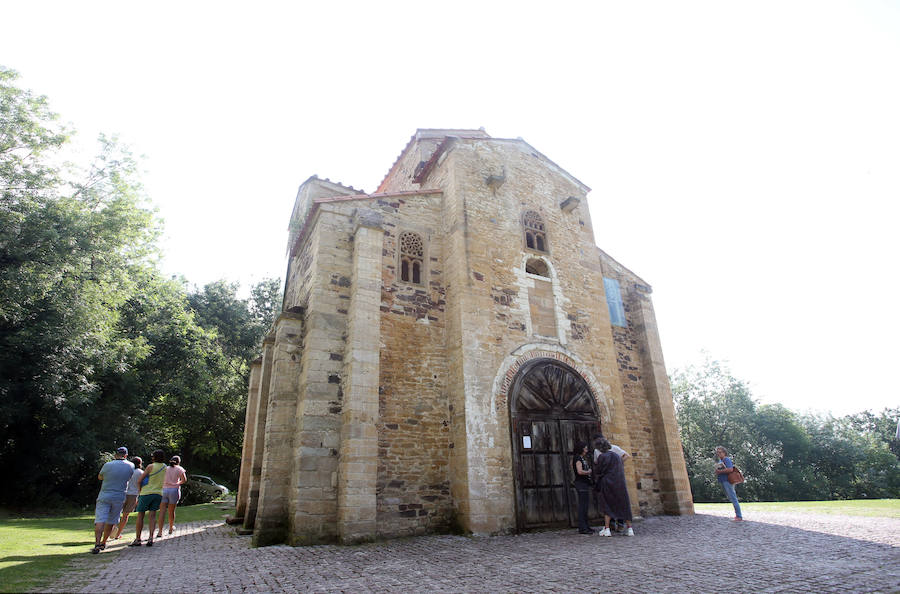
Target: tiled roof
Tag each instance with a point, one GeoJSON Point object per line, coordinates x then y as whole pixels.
{"type": "Point", "coordinates": [433, 133]}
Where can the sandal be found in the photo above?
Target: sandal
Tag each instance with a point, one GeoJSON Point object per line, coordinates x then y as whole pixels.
{"type": "Point", "coordinates": [95, 550]}
{"type": "Point", "coordinates": [150, 543]}
{"type": "Point", "coordinates": [136, 543]}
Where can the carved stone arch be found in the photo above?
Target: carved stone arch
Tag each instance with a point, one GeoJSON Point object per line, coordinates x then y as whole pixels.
{"type": "Point", "coordinates": [548, 386]}
{"type": "Point", "coordinates": [551, 407]}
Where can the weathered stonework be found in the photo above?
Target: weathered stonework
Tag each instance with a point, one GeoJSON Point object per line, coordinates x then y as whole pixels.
{"type": "Point", "coordinates": [383, 402]}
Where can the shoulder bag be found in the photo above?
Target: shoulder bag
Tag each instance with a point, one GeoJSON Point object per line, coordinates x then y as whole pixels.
{"type": "Point", "coordinates": [735, 477]}
{"type": "Point", "coordinates": [147, 478]}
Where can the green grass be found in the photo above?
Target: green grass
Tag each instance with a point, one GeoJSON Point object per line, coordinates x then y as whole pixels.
{"type": "Point", "coordinates": [880, 508]}
{"type": "Point", "coordinates": [34, 549]}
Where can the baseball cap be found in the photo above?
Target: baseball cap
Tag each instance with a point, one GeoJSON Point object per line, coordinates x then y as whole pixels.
{"type": "Point", "coordinates": [122, 450]}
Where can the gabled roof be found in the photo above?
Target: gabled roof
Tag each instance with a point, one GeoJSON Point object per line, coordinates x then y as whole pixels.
{"type": "Point", "coordinates": [431, 133]}
{"type": "Point", "coordinates": [449, 141]}
{"type": "Point", "coordinates": [449, 137]}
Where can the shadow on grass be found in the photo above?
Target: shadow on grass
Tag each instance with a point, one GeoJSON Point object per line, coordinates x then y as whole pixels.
{"type": "Point", "coordinates": [31, 572]}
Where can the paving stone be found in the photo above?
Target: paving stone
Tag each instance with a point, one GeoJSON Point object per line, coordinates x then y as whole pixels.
{"type": "Point", "coordinates": [770, 552]}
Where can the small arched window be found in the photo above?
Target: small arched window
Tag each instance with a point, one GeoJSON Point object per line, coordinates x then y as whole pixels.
{"type": "Point", "coordinates": [537, 266]}
{"type": "Point", "coordinates": [412, 257]}
{"type": "Point", "coordinates": [535, 233]}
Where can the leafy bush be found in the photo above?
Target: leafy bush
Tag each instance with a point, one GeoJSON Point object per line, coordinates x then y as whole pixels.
{"type": "Point", "coordinates": [191, 494]}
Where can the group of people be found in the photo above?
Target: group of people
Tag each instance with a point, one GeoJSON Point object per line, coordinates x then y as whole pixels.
{"type": "Point", "coordinates": [604, 473]}
{"type": "Point", "coordinates": [606, 477]}
{"type": "Point", "coordinates": [127, 486]}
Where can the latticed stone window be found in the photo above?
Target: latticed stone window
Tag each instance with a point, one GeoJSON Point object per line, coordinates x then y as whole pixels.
{"type": "Point", "coordinates": [535, 234]}
{"type": "Point", "coordinates": [412, 257]}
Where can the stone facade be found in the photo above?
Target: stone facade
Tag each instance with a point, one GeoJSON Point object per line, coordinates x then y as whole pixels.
{"type": "Point", "coordinates": [382, 404]}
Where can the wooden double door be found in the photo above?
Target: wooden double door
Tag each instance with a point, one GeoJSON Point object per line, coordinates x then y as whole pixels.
{"type": "Point", "coordinates": [552, 409]}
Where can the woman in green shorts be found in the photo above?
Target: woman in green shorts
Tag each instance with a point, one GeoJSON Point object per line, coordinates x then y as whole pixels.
{"type": "Point", "coordinates": [151, 496]}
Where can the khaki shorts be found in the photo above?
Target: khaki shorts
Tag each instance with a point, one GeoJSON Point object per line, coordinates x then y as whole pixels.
{"type": "Point", "coordinates": [130, 504]}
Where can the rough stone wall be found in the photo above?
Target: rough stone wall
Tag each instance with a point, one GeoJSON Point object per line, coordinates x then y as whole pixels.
{"type": "Point", "coordinates": [413, 446]}
{"type": "Point", "coordinates": [243, 494]}
{"type": "Point", "coordinates": [413, 493]}
{"type": "Point", "coordinates": [657, 461]}
{"type": "Point", "coordinates": [358, 459]}
{"type": "Point", "coordinates": [487, 290]}
{"type": "Point", "coordinates": [629, 364]}
{"type": "Point", "coordinates": [275, 493]}
{"type": "Point", "coordinates": [325, 294]}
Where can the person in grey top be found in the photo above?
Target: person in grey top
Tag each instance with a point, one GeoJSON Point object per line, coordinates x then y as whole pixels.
{"type": "Point", "coordinates": [115, 475]}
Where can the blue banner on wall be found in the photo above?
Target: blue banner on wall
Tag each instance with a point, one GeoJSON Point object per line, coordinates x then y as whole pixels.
{"type": "Point", "coordinates": [614, 301]}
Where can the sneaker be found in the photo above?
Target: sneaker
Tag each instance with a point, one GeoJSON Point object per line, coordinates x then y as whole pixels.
{"type": "Point", "coordinates": [737, 519]}
{"type": "Point", "coordinates": [588, 531]}
{"type": "Point", "coordinates": [629, 532]}
{"type": "Point", "coordinates": [604, 532]}
{"type": "Point", "coordinates": [135, 543]}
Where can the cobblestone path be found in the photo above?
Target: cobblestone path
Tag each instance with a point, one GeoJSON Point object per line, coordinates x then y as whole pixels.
{"type": "Point", "coordinates": [771, 552]}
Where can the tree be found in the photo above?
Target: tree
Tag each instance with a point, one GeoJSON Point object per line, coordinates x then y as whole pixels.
{"type": "Point", "coordinates": [28, 130]}
{"type": "Point", "coordinates": [97, 349]}
{"type": "Point", "coordinates": [69, 251]}
{"type": "Point", "coordinates": [784, 456]}
{"type": "Point", "coordinates": [237, 326]}
{"type": "Point", "coordinates": [714, 408]}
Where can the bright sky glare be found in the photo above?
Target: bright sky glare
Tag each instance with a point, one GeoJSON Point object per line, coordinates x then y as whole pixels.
{"type": "Point", "coordinates": [744, 157]}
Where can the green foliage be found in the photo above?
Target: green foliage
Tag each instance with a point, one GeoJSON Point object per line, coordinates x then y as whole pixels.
{"type": "Point", "coordinates": [192, 494]}
{"type": "Point", "coordinates": [68, 255]}
{"type": "Point", "coordinates": [783, 456]}
{"type": "Point", "coordinates": [871, 508]}
{"type": "Point", "coordinates": [212, 430]}
{"type": "Point", "coordinates": [28, 130]}
{"type": "Point", "coordinates": [97, 349]}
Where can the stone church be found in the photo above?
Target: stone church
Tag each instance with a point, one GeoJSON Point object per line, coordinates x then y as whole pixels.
{"type": "Point", "coordinates": [444, 342]}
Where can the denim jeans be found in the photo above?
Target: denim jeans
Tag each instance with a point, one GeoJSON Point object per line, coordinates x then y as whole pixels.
{"type": "Point", "coordinates": [732, 497]}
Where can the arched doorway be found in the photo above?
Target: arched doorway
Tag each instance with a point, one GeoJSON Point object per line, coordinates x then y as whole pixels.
{"type": "Point", "coordinates": [551, 408]}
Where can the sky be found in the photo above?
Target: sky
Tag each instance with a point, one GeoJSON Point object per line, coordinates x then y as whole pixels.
{"type": "Point", "coordinates": [744, 158]}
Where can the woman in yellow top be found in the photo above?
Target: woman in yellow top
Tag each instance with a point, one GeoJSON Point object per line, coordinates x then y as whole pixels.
{"type": "Point", "coordinates": [151, 496]}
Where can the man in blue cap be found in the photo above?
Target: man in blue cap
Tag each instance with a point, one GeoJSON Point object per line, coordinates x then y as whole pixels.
{"type": "Point", "coordinates": [115, 475]}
